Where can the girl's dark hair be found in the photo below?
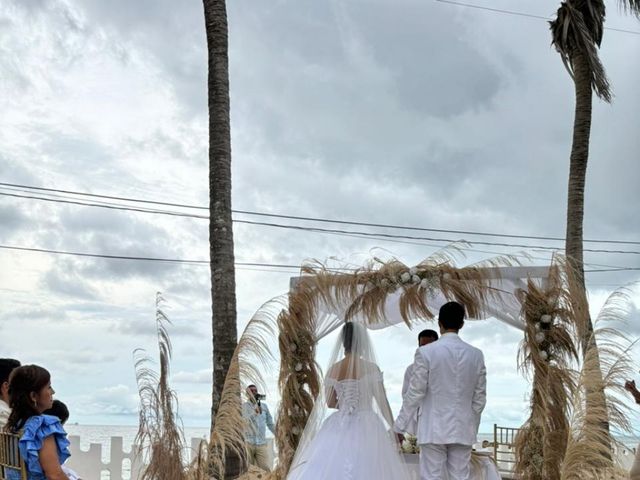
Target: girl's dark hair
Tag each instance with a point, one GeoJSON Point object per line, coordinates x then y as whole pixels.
{"type": "Point", "coordinates": [58, 409]}
{"type": "Point", "coordinates": [347, 336]}
{"type": "Point", "coordinates": [22, 382]}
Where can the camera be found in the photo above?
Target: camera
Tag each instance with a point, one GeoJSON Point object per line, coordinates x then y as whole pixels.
{"type": "Point", "coordinates": [260, 396]}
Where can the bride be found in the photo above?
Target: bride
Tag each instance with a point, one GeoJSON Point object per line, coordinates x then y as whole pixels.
{"type": "Point", "coordinates": [355, 442]}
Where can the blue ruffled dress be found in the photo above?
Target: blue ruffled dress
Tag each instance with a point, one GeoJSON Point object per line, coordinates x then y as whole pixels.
{"type": "Point", "coordinates": [34, 431]}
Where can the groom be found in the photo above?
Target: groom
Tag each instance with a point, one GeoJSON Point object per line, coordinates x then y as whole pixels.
{"type": "Point", "coordinates": [448, 384]}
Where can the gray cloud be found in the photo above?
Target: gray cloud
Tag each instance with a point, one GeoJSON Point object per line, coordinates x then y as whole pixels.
{"type": "Point", "coordinates": [11, 218]}
{"type": "Point", "coordinates": [115, 233]}
{"type": "Point", "coordinates": [64, 281]}
{"type": "Point", "coordinates": [421, 70]}
{"type": "Point", "coordinates": [176, 41]}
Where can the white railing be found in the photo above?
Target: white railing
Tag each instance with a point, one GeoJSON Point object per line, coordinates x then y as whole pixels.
{"type": "Point", "coordinates": [121, 464]}
{"type": "Point", "coordinates": [126, 465]}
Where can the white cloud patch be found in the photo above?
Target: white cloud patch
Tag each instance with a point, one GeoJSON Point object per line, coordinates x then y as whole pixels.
{"type": "Point", "coordinates": [117, 400]}
{"type": "Point", "coordinates": [200, 376]}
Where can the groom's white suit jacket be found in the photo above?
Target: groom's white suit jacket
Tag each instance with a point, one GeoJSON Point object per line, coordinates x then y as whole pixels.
{"type": "Point", "coordinates": [448, 383]}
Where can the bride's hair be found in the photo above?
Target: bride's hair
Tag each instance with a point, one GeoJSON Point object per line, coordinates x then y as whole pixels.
{"type": "Point", "coordinates": [354, 337]}
{"type": "Point", "coordinates": [347, 336]}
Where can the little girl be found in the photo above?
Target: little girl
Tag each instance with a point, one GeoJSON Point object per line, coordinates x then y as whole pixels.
{"type": "Point", "coordinates": [60, 410]}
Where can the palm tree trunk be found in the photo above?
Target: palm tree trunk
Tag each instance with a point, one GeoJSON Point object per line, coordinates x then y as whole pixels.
{"type": "Point", "coordinates": [575, 215]}
{"type": "Point", "coordinates": [577, 179]}
{"type": "Point", "coordinates": [578, 165]}
{"type": "Point", "coordinates": [223, 286]}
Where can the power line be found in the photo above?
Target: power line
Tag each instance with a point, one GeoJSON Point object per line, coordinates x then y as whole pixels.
{"type": "Point", "coordinates": [273, 215]}
{"type": "Point", "coordinates": [424, 229]}
{"type": "Point", "coordinates": [496, 10]}
{"type": "Point", "coordinates": [520, 14]}
{"type": "Point", "coordinates": [611, 268]}
{"type": "Point", "coordinates": [354, 235]}
{"type": "Point", "coordinates": [374, 235]}
{"type": "Point", "coordinates": [198, 262]}
{"type": "Point", "coordinates": [408, 237]}
{"type": "Point", "coordinates": [365, 235]}
{"type": "Point", "coordinates": [108, 206]}
{"type": "Point", "coordinates": [78, 198]}
{"type": "Point", "coordinates": [95, 195]}
{"type": "Point", "coordinates": [137, 258]}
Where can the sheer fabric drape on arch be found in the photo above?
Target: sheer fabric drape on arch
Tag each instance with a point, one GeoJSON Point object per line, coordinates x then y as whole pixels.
{"type": "Point", "coordinates": [502, 304]}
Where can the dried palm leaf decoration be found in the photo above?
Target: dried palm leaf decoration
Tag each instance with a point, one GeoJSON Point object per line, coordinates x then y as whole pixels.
{"type": "Point", "coordinates": [159, 436]}
{"type": "Point", "coordinates": [562, 439]}
{"type": "Point", "coordinates": [547, 353]}
{"type": "Point", "coordinates": [590, 454]}
{"type": "Point", "coordinates": [251, 357]}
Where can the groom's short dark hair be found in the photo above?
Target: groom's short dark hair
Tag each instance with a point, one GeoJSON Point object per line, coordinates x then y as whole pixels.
{"type": "Point", "coordinates": [428, 334]}
{"type": "Point", "coordinates": [451, 316]}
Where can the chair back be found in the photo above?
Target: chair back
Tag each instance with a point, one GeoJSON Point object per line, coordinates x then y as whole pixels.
{"type": "Point", "coordinates": [504, 452]}
{"type": "Point", "coordinates": [10, 459]}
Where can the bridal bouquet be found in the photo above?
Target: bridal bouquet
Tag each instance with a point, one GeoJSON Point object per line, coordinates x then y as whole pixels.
{"type": "Point", "coordinates": [410, 444]}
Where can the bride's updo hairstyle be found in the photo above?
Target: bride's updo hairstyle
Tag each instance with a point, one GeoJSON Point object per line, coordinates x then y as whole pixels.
{"type": "Point", "coordinates": [354, 338]}
{"type": "Point", "coordinates": [347, 337]}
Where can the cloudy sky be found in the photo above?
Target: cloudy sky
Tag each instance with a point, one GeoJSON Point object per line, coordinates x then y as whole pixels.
{"type": "Point", "coordinates": [412, 112]}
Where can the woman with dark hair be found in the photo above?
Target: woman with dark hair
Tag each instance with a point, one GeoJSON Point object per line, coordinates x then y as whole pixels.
{"type": "Point", "coordinates": [43, 442]}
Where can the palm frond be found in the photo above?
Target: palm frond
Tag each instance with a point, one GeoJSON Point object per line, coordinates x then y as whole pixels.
{"type": "Point", "coordinates": [159, 436]}
{"type": "Point", "coordinates": [547, 353]}
{"type": "Point", "coordinates": [576, 34]}
{"type": "Point", "coordinates": [364, 292]}
{"type": "Point", "coordinates": [576, 398]}
{"type": "Point", "coordinates": [604, 369]}
{"type": "Point", "coordinates": [630, 6]}
{"type": "Point", "coordinates": [252, 356]}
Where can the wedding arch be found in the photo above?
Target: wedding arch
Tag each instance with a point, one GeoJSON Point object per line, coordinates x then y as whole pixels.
{"type": "Point", "coordinates": [536, 300]}
{"type": "Point", "coordinates": [544, 302]}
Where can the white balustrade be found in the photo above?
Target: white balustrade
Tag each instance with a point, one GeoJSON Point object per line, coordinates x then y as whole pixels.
{"type": "Point", "coordinates": [122, 465]}
{"type": "Point", "coordinates": [127, 465]}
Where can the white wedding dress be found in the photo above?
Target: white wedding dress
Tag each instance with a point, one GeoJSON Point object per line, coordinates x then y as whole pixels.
{"type": "Point", "coordinates": [353, 442]}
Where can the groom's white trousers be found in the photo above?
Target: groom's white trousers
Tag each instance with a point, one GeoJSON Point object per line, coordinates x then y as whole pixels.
{"type": "Point", "coordinates": [444, 462]}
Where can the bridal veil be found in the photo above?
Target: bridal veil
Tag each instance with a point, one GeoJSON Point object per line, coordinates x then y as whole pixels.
{"type": "Point", "coordinates": [348, 434]}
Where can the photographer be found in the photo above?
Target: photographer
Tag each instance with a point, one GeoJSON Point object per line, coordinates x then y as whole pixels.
{"type": "Point", "coordinates": [258, 418]}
